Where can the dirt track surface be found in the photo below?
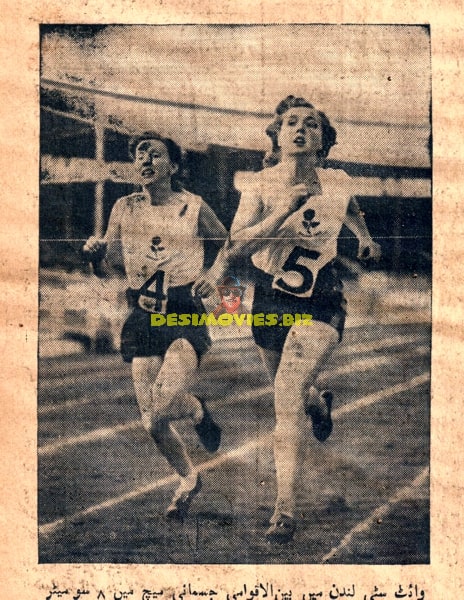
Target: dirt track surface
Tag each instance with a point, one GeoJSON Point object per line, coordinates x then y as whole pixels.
{"type": "Point", "coordinates": [103, 487]}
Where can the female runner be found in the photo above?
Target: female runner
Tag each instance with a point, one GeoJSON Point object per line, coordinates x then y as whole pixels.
{"type": "Point", "coordinates": [288, 220]}
{"type": "Point", "coordinates": [162, 231]}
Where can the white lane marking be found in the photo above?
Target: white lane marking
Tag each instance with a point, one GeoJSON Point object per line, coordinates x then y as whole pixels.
{"type": "Point", "coordinates": [51, 385]}
{"type": "Point", "coordinates": [106, 432]}
{"type": "Point", "coordinates": [109, 432]}
{"type": "Point", "coordinates": [376, 396]}
{"type": "Point", "coordinates": [368, 363]}
{"type": "Point", "coordinates": [67, 405]}
{"type": "Point", "coordinates": [373, 363]}
{"type": "Point", "coordinates": [48, 382]}
{"type": "Point", "coordinates": [365, 365]}
{"type": "Point", "coordinates": [48, 528]}
{"type": "Point", "coordinates": [379, 513]}
{"type": "Point", "coordinates": [237, 452]}
{"type": "Point", "coordinates": [91, 436]}
{"type": "Point", "coordinates": [347, 349]}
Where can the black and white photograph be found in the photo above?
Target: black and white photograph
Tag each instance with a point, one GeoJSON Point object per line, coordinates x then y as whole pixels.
{"type": "Point", "coordinates": [235, 294]}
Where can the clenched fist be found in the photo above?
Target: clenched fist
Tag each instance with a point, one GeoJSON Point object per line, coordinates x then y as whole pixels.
{"type": "Point", "coordinates": [94, 249]}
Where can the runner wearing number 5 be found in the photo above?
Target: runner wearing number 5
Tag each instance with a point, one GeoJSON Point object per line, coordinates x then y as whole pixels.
{"type": "Point", "coordinates": [288, 222]}
{"type": "Point", "coordinates": [162, 231]}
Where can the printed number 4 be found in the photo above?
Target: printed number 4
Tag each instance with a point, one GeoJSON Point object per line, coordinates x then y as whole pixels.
{"type": "Point", "coordinates": [291, 264]}
{"type": "Point", "coordinates": [155, 289]}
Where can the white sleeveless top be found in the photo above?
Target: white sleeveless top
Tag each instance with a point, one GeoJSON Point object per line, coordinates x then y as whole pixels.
{"type": "Point", "coordinates": [307, 240]}
{"type": "Point", "coordinates": [160, 242]}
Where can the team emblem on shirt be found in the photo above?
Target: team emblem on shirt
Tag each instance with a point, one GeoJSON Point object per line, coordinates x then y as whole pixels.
{"type": "Point", "coordinates": [156, 245]}
{"type": "Point", "coordinates": [309, 223]}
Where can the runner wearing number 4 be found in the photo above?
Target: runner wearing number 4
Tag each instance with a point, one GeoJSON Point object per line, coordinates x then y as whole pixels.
{"type": "Point", "coordinates": [288, 221]}
{"type": "Point", "coordinates": [161, 230]}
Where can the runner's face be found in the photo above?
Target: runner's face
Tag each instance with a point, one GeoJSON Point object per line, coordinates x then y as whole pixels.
{"type": "Point", "coordinates": [231, 299]}
{"type": "Point", "coordinates": [152, 162]}
{"type": "Point", "coordinates": [301, 132]}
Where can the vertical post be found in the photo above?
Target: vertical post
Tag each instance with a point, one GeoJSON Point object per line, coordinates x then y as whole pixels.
{"type": "Point", "coordinates": [222, 165]}
{"type": "Point", "coordinates": [395, 191]}
{"type": "Point", "coordinates": [100, 185]}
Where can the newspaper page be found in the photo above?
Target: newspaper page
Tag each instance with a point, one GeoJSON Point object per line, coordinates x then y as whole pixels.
{"type": "Point", "coordinates": [230, 350]}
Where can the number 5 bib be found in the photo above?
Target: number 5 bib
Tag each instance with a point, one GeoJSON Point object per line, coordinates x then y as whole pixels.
{"type": "Point", "coordinates": [299, 272]}
{"type": "Point", "coordinates": [307, 240]}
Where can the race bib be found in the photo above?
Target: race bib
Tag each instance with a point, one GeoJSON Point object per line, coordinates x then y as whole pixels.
{"type": "Point", "coordinates": [299, 272]}
{"type": "Point", "coordinates": [154, 293]}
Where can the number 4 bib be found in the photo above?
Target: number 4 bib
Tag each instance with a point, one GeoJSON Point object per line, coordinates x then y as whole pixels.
{"type": "Point", "coordinates": [153, 294]}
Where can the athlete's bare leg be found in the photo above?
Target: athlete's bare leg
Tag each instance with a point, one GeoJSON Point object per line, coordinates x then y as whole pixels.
{"type": "Point", "coordinates": [271, 360]}
{"type": "Point", "coordinates": [172, 401]}
{"type": "Point", "coordinates": [160, 386]}
{"type": "Point", "coordinates": [305, 352]}
{"type": "Point", "coordinates": [144, 373]}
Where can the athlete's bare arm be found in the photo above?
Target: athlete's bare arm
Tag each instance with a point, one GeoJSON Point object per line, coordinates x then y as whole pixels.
{"type": "Point", "coordinates": [355, 222]}
{"type": "Point", "coordinates": [95, 249]}
{"type": "Point", "coordinates": [249, 229]}
{"type": "Point", "coordinates": [210, 228]}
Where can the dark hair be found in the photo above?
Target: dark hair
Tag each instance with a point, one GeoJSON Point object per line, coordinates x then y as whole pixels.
{"type": "Point", "coordinates": [329, 134]}
{"type": "Point", "coordinates": [174, 153]}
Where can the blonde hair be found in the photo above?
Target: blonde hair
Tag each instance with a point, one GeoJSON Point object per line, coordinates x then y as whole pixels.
{"type": "Point", "coordinates": [329, 134]}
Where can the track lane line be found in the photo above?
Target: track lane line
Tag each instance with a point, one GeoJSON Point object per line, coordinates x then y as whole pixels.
{"type": "Point", "coordinates": [49, 528]}
{"type": "Point", "coordinates": [48, 383]}
{"type": "Point", "coordinates": [376, 396]}
{"type": "Point", "coordinates": [109, 432]}
{"type": "Point", "coordinates": [371, 363]}
{"type": "Point", "coordinates": [380, 512]}
{"type": "Point", "coordinates": [368, 363]}
{"type": "Point", "coordinates": [85, 438]}
{"type": "Point", "coordinates": [399, 340]}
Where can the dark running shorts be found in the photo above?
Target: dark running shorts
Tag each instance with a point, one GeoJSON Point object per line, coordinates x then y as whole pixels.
{"type": "Point", "coordinates": [139, 338]}
{"type": "Point", "coordinates": [327, 304]}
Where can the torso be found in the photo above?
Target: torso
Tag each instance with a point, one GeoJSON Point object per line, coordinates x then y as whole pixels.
{"type": "Point", "coordinates": [161, 239]}
{"type": "Point", "coordinates": [302, 248]}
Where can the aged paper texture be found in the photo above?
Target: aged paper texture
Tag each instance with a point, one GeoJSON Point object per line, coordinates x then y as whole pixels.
{"type": "Point", "coordinates": [90, 507]}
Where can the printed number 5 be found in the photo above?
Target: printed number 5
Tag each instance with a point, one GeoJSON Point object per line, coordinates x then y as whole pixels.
{"type": "Point", "coordinates": [291, 264]}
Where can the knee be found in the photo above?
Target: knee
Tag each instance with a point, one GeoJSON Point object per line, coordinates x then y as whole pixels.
{"type": "Point", "coordinates": [165, 405]}
{"type": "Point", "coordinates": [289, 401]}
{"type": "Point", "coordinates": [289, 429]}
{"type": "Point", "coordinates": [154, 423]}
{"type": "Point", "coordinates": [158, 421]}
{"type": "Point", "coordinates": [160, 411]}
{"type": "Point", "coordinates": [153, 412]}
{"type": "Point", "coordinates": [147, 421]}
{"type": "Point", "coordinates": [153, 420]}
{"type": "Point", "coordinates": [291, 379]}
{"type": "Point", "coordinates": [158, 429]}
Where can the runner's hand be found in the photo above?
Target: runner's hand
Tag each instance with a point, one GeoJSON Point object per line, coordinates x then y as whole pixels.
{"type": "Point", "coordinates": [94, 248]}
{"type": "Point", "coordinates": [94, 251]}
{"type": "Point", "coordinates": [369, 250]}
{"type": "Point", "coordinates": [205, 285]}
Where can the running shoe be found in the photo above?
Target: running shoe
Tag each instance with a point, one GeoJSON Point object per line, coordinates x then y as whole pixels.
{"type": "Point", "coordinates": [282, 531]}
{"type": "Point", "coordinates": [321, 419]}
{"type": "Point", "coordinates": [182, 500]}
{"type": "Point", "coordinates": [208, 431]}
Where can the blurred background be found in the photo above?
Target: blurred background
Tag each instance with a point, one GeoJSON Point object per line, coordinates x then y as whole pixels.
{"type": "Point", "coordinates": [214, 89]}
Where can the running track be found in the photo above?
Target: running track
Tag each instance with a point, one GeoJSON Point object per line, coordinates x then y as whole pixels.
{"type": "Point", "coordinates": [365, 496]}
